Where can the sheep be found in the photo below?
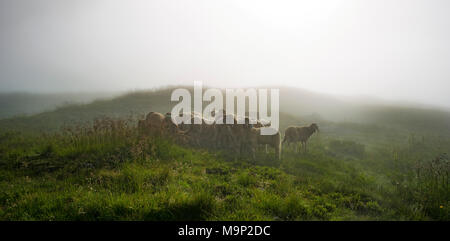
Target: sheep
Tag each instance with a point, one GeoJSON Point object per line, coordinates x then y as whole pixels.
{"type": "Point", "coordinates": [255, 138]}
{"type": "Point", "coordinates": [271, 140]}
{"type": "Point", "coordinates": [239, 134]}
{"type": "Point", "coordinates": [209, 135]}
{"type": "Point", "coordinates": [157, 124]}
{"type": "Point", "coordinates": [237, 138]}
{"type": "Point", "coordinates": [223, 132]}
{"type": "Point", "coordinates": [202, 135]}
{"type": "Point", "coordinates": [244, 137]}
{"type": "Point", "coordinates": [295, 134]}
{"type": "Point", "coordinates": [252, 138]}
{"type": "Point", "coordinates": [262, 123]}
{"type": "Point", "coordinates": [221, 136]}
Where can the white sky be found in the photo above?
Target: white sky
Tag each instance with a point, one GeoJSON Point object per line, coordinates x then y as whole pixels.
{"type": "Point", "coordinates": [392, 49]}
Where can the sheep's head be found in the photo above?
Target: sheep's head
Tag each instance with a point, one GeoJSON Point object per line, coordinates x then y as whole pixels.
{"type": "Point", "coordinates": [315, 127]}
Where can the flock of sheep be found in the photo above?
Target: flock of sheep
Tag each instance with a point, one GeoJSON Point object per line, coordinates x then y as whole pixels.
{"type": "Point", "coordinates": [238, 138]}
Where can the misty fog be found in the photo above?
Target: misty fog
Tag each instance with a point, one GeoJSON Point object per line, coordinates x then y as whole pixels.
{"type": "Point", "coordinates": [393, 50]}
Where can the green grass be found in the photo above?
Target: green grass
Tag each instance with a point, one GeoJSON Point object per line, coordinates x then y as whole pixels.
{"type": "Point", "coordinates": [86, 162]}
{"type": "Point", "coordinates": [113, 174]}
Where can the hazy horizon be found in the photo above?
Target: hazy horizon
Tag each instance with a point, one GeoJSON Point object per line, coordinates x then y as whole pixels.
{"type": "Point", "coordinates": [389, 50]}
{"type": "Point", "coordinates": [354, 100]}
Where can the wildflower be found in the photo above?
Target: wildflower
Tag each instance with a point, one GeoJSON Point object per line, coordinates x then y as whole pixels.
{"type": "Point", "coordinates": [441, 206]}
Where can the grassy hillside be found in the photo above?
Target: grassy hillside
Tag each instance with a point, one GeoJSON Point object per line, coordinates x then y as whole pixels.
{"type": "Point", "coordinates": [391, 168]}
{"type": "Point", "coordinates": [297, 107]}
{"type": "Point", "coordinates": [21, 104]}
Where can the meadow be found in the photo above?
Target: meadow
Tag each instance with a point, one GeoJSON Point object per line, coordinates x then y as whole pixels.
{"type": "Point", "coordinates": [99, 168]}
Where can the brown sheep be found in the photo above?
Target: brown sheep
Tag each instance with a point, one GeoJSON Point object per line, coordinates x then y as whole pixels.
{"type": "Point", "coordinates": [157, 124]}
{"type": "Point", "coordinates": [236, 138]}
{"type": "Point", "coordinates": [294, 134]}
{"type": "Point", "coordinates": [273, 141]}
{"type": "Point", "coordinates": [255, 139]}
{"type": "Point", "coordinates": [209, 135]}
{"type": "Point", "coordinates": [201, 135]}
{"type": "Point", "coordinates": [259, 124]}
{"type": "Point", "coordinates": [226, 133]}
